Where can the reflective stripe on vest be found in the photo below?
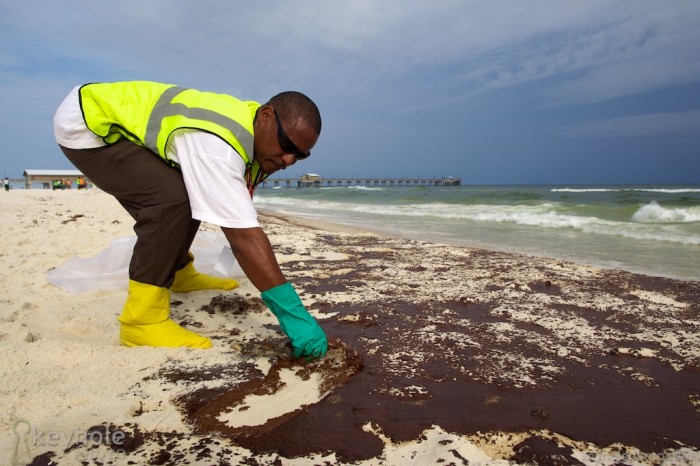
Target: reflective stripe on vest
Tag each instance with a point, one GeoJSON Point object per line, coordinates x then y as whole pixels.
{"type": "Point", "coordinates": [147, 113]}
{"type": "Point", "coordinates": [165, 108]}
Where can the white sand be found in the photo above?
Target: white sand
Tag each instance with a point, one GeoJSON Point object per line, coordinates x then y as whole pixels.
{"type": "Point", "coordinates": [294, 394]}
{"type": "Point", "coordinates": [63, 370]}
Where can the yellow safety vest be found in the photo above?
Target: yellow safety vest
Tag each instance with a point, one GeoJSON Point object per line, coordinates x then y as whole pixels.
{"type": "Point", "coordinates": [147, 113]}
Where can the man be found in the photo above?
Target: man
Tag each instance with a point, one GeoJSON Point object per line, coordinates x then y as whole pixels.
{"type": "Point", "coordinates": [174, 157]}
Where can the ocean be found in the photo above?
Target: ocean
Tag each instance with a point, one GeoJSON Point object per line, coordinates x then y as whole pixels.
{"type": "Point", "coordinates": [652, 230]}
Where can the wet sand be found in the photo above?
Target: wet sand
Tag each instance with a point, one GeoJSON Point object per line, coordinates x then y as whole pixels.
{"type": "Point", "coordinates": [448, 355]}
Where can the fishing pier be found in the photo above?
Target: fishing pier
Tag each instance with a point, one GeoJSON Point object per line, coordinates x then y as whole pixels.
{"type": "Point", "coordinates": [316, 181]}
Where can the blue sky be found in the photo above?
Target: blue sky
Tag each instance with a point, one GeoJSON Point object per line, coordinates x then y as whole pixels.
{"type": "Point", "coordinates": [495, 92]}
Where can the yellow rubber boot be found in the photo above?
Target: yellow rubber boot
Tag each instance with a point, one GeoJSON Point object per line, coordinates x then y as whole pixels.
{"type": "Point", "coordinates": [188, 279]}
{"type": "Point", "coordinates": [145, 320]}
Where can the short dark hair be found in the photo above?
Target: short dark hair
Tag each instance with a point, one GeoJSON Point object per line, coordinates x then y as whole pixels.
{"type": "Point", "coordinates": [294, 105]}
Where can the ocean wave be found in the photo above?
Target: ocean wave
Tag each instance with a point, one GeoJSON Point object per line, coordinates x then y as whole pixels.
{"type": "Point", "coordinates": [655, 213]}
{"type": "Point", "coordinates": [585, 190]}
{"type": "Point", "coordinates": [668, 190]}
{"type": "Point", "coordinates": [619, 190]}
{"type": "Point", "coordinates": [551, 216]}
{"type": "Point", "coordinates": [364, 188]}
{"type": "Point", "coordinates": [546, 215]}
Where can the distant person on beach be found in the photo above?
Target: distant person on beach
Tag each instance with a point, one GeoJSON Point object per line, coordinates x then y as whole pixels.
{"type": "Point", "coordinates": [174, 157]}
{"type": "Point", "coordinates": [6, 183]}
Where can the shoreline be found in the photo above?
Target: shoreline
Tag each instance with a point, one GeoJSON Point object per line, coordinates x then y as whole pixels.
{"type": "Point", "coordinates": [311, 221]}
{"type": "Point", "coordinates": [638, 229]}
{"type": "Point", "coordinates": [466, 353]}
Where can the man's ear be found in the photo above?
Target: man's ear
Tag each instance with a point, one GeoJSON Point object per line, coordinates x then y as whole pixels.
{"type": "Point", "coordinates": [266, 112]}
{"type": "Point", "coordinates": [263, 115]}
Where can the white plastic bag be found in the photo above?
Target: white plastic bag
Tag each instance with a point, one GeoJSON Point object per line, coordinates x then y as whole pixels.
{"type": "Point", "coordinates": [110, 268]}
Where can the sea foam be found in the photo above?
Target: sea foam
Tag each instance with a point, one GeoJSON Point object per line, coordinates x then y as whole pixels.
{"type": "Point", "coordinates": [617, 190]}
{"type": "Point", "coordinates": [649, 223]}
{"type": "Point", "coordinates": [655, 213]}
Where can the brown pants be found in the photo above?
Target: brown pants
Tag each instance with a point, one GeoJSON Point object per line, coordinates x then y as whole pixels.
{"type": "Point", "coordinates": [154, 194]}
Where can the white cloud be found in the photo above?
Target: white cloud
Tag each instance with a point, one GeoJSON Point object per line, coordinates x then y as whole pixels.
{"type": "Point", "coordinates": [606, 54]}
{"type": "Point", "coordinates": [449, 46]}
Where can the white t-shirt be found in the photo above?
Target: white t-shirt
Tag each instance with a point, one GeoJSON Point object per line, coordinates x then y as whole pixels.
{"type": "Point", "coordinates": [214, 173]}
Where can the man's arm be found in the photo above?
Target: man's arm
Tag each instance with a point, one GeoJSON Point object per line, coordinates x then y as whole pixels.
{"type": "Point", "coordinates": [254, 254]}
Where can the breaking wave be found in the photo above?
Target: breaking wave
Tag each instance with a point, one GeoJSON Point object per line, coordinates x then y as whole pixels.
{"type": "Point", "coordinates": [650, 222]}
{"type": "Point", "coordinates": [654, 213]}
{"type": "Point", "coordinates": [617, 190]}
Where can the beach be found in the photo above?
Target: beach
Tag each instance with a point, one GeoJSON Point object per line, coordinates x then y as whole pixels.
{"type": "Point", "coordinates": [441, 354]}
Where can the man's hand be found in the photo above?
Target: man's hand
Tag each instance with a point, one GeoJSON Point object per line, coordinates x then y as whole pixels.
{"type": "Point", "coordinates": [307, 337]}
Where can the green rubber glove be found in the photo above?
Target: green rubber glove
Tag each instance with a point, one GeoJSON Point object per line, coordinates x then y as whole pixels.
{"type": "Point", "coordinates": [308, 339]}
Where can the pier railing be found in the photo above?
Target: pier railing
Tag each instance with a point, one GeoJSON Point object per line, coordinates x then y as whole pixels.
{"type": "Point", "coordinates": [365, 182]}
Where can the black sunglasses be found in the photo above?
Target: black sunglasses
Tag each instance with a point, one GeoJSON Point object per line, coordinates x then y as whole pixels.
{"type": "Point", "coordinates": [286, 144]}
